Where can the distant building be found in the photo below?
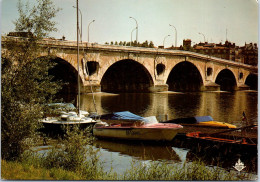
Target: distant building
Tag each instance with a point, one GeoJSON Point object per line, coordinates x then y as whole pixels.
{"type": "Point", "coordinates": [224, 51]}
{"type": "Point", "coordinates": [187, 44]}
{"type": "Point", "coordinates": [249, 54]}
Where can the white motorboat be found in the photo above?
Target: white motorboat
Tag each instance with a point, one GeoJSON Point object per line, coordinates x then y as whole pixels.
{"type": "Point", "coordinates": [128, 126]}
{"type": "Point", "coordinates": [69, 118]}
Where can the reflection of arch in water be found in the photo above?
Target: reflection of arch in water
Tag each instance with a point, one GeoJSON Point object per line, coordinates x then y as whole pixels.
{"type": "Point", "coordinates": [126, 76]}
{"type": "Point", "coordinates": [214, 103]}
{"type": "Point", "coordinates": [226, 80]}
{"type": "Point", "coordinates": [143, 104]}
{"type": "Point", "coordinates": [252, 81]}
{"type": "Point", "coordinates": [137, 103]}
{"type": "Point", "coordinates": [184, 105]}
{"type": "Point", "coordinates": [185, 76]}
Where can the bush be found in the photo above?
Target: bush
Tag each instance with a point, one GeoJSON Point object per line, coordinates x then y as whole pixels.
{"type": "Point", "coordinates": [75, 153]}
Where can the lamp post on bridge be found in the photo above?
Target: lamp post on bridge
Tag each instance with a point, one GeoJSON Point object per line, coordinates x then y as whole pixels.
{"type": "Point", "coordinates": [165, 38]}
{"type": "Point", "coordinates": [131, 36]}
{"type": "Point", "coordinates": [88, 28]}
{"type": "Point", "coordinates": [80, 22]}
{"type": "Point", "coordinates": [136, 29]}
{"type": "Point", "coordinates": [175, 35]}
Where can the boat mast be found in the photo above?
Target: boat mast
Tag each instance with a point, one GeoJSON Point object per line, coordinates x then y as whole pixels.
{"type": "Point", "coordinates": [78, 55]}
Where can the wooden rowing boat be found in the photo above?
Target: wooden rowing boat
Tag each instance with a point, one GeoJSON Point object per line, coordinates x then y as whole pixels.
{"type": "Point", "coordinates": [235, 136]}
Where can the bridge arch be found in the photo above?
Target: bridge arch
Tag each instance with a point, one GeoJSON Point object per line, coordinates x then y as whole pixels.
{"type": "Point", "coordinates": [226, 79]}
{"type": "Point", "coordinates": [126, 75]}
{"type": "Point", "coordinates": [251, 81]}
{"type": "Point", "coordinates": [67, 73]}
{"type": "Point", "coordinates": [185, 76]}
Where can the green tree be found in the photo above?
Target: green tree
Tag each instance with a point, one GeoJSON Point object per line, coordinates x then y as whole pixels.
{"type": "Point", "coordinates": [37, 19]}
{"type": "Point", "coordinates": [145, 44]}
{"type": "Point", "coordinates": [134, 43]}
{"type": "Point", "coordinates": [151, 45]}
{"type": "Point", "coordinates": [26, 84]}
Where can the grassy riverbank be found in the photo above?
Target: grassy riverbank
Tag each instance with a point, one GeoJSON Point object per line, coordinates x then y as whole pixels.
{"type": "Point", "coordinates": [196, 171]}
{"type": "Point", "coordinates": [15, 170]}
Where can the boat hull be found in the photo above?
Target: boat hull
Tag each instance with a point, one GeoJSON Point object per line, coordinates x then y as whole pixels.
{"type": "Point", "coordinates": [228, 139]}
{"type": "Point", "coordinates": [200, 123]}
{"type": "Point", "coordinates": [54, 126]}
{"type": "Point", "coordinates": [155, 132]}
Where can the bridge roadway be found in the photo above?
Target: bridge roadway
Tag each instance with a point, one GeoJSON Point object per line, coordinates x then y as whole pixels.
{"type": "Point", "coordinates": [156, 64]}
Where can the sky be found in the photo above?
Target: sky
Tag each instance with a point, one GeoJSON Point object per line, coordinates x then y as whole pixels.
{"type": "Point", "coordinates": [216, 20]}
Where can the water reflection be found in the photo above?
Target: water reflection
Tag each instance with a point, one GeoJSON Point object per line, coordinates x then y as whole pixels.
{"type": "Point", "coordinates": [140, 150]}
{"type": "Point", "coordinates": [218, 154]}
{"type": "Point", "coordinates": [222, 106]}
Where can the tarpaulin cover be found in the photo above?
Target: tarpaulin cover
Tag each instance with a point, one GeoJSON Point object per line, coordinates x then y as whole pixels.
{"type": "Point", "coordinates": [190, 120]}
{"type": "Point", "coordinates": [124, 115]}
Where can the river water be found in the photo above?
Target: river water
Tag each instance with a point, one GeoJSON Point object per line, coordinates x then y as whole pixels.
{"type": "Point", "coordinates": [222, 106]}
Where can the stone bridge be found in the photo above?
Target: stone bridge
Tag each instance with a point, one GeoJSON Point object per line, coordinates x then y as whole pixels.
{"type": "Point", "coordinates": [133, 69]}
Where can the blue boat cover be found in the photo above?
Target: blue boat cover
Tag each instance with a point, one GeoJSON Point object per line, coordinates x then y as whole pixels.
{"type": "Point", "coordinates": [124, 115]}
{"type": "Point", "coordinates": [190, 120]}
{"type": "Point", "coordinates": [203, 118]}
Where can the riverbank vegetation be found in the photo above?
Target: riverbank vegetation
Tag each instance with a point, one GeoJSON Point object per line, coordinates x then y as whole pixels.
{"type": "Point", "coordinates": [26, 86]}
{"type": "Point", "coordinates": [75, 158]}
{"type": "Point", "coordinates": [14, 170]}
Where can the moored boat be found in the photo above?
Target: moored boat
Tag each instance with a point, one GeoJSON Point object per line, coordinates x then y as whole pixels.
{"type": "Point", "coordinates": [64, 115]}
{"type": "Point", "coordinates": [236, 137]}
{"type": "Point", "coordinates": [128, 126]}
{"type": "Point", "coordinates": [201, 123]}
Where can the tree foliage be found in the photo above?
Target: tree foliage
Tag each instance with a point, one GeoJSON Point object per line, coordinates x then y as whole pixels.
{"type": "Point", "coordinates": [26, 84]}
{"type": "Point", "coordinates": [133, 43]}
{"type": "Point", "coordinates": [37, 19]}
